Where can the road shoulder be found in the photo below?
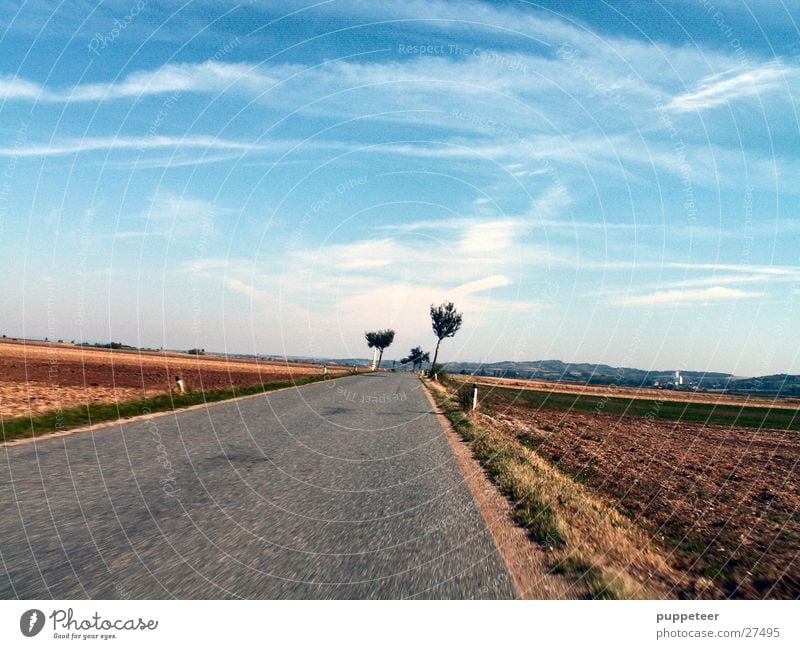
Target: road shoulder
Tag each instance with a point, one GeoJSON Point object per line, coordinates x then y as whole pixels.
{"type": "Point", "coordinates": [525, 562]}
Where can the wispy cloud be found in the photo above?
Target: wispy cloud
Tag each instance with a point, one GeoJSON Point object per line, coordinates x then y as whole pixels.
{"type": "Point", "coordinates": [238, 286]}
{"type": "Point", "coordinates": [136, 143]}
{"type": "Point", "coordinates": [12, 87]}
{"type": "Point", "coordinates": [180, 158]}
{"type": "Point", "coordinates": [713, 281]}
{"type": "Point", "coordinates": [225, 149]}
{"type": "Point", "coordinates": [622, 156]}
{"type": "Point", "coordinates": [718, 90]}
{"type": "Point", "coordinates": [362, 255]}
{"type": "Point", "coordinates": [485, 284]}
{"type": "Point", "coordinates": [172, 214]}
{"type": "Point", "coordinates": [207, 76]}
{"type": "Point", "coordinates": [629, 265]}
{"type": "Point", "coordinates": [488, 237]}
{"type": "Point", "coordinates": [440, 87]}
{"type": "Point", "coordinates": [553, 201]}
{"type": "Point", "coordinates": [677, 297]}
{"type": "Point", "coordinates": [727, 280]}
{"type": "Point", "coordinates": [374, 282]}
{"type": "Point", "coordinates": [432, 76]}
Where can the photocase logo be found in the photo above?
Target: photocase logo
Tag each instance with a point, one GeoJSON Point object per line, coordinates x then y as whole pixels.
{"type": "Point", "coordinates": [31, 622]}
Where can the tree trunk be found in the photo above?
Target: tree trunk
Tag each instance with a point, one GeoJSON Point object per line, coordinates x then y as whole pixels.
{"type": "Point", "coordinates": [435, 355]}
{"type": "Point", "coordinates": [380, 358]}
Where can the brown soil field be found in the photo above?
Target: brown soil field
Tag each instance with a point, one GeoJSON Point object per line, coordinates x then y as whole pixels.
{"type": "Point", "coordinates": [37, 377]}
{"type": "Point", "coordinates": [632, 393]}
{"type": "Point", "coordinates": [722, 503]}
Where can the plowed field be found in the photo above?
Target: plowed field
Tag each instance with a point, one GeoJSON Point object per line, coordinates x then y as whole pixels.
{"type": "Point", "coordinates": [722, 502]}
{"type": "Point", "coordinates": [37, 377]}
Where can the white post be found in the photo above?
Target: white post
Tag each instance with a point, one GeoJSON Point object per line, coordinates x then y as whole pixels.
{"type": "Point", "coordinates": [474, 396]}
{"type": "Point", "coordinates": [374, 358]}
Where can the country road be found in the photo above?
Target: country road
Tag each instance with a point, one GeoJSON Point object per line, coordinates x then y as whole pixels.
{"type": "Point", "coordinates": [342, 489]}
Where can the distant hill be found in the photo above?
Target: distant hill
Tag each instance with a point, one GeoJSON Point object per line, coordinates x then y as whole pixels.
{"type": "Point", "coordinates": [600, 374]}
{"type": "Point", "coordinates": [785, 385]}
{"type": "Point", "coordinates": [780, 384]}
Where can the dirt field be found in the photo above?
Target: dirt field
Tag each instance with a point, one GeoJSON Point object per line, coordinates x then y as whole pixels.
{"type": "Point", "coordinates": [632, 393]}
{"type": "Point", "coordinates": [722, 503]}
{"type": "Point", "coordinates": [37, 377]}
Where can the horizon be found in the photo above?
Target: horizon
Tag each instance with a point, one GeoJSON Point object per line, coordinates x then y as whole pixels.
{"type": "Point", "coordinates": [367, 359]}
{"type": "Point", "coordinates": [609, 184]}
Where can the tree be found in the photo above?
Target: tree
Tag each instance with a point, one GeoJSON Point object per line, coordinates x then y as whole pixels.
{"type": "Point", "coordinates": [445, 321]}
{"type": "Point", "coordinates": [416, 357]}
{"type": "Point", "coordinates": [380, 340]}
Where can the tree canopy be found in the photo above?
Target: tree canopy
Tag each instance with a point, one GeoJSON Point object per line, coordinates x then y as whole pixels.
{"type": "Point", "coordinates": [416, 357]}
{"type": "Point", "coordinates": [446, 321]}
{"type": "Point", "coordinates": [380, 340]}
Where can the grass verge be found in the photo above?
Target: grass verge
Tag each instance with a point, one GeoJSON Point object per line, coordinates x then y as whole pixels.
{"type": "Point", "coordinates": [586, 540]}
{"type": "Point", "coordinates": [95, 413]}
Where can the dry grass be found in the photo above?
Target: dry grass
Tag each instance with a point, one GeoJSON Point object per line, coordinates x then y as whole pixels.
{"type": "Point", "coordinates": [597, 542]}
{"type": "Point", "coordinates": [586, 539]}
{"type": "Point", "coordinates": [720, 502]}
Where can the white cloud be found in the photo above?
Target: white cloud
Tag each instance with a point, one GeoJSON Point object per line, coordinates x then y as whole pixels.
{"type": "Point", "coordinates": [677, 297]}
{"type": "Point", "coordinates": [404, 306]}
{"type": "Point", "coordinates": [177, 160]}
{"type": "Point", "coordinates": [488, 237]}
{"type": "Point", "coordinates": [176, 215]}
{"type": "Point", "coordinates": [721, 280]}
{"type": "Point", "coordinates": [485, 284]}
{"type": "Point", "coordinates": [622, 156]}
{"type": "Point", "coordinates": [238, 286]}
{"type": "Point", "coordinates": [361, 255]}
{"type": "Point", "coordinates": [386, 282]}
{"type": "Point", "coordinates": [738, 268]}
{"type": "Point", "coordinates": [627, 265]}
{"type": "Point", "coordinates": [720, 89]}
{"type": "Point", "coordinates": [597, 71]}
{"type": "Point", "coordinates": [710, 281]}
{"type": "Point", "coordinates": [431, 76]}
{"type": "Point", "coordinates": [500, 129]}
{"type": "Point", "coordinates": [552, 201]}
{"type": "Point", "coordinates": [208, 76]}
{"type": "Point", "coordinates": [12, 87]}
{"type": "Point", "coordinates": [72, 146]}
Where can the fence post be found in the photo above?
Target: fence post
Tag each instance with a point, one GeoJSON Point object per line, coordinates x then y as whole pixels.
{"type": "Point", "coordinates": [474, 396]}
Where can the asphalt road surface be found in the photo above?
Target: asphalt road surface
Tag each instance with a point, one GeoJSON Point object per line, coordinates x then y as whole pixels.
{"type": "Point", "coordinates": [342, 489]}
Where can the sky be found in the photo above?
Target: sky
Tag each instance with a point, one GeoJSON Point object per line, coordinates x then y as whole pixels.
{"type": "Point", "coordinates": [611, 182]}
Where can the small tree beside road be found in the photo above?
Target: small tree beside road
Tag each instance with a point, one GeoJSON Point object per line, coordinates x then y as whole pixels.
{"type": "Point", "coordinates": [416, 357]}
{"type": "Point", "coordinates": [446, 321]}
{"type": "Point", "coordinates": [379, 340]}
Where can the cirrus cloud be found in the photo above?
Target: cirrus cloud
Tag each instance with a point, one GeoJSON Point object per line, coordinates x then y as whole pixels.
{"type": "Point", "coordinates": [677, 297]}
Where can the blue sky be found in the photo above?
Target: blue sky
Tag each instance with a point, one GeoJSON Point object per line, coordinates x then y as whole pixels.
{"type": "Point", "coordinates": [608, 182]}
